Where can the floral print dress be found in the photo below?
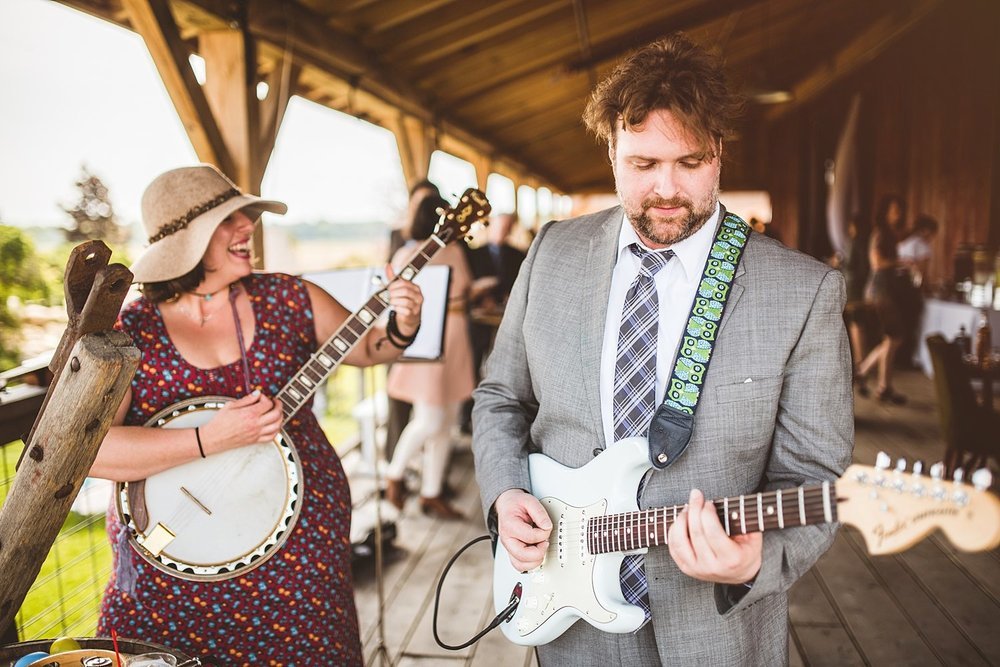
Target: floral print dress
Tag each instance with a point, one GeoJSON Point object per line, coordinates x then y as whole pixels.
{"type": "Point", "coordinates": [298, 607]}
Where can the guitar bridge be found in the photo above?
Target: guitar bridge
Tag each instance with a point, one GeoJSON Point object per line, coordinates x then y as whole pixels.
{"type": "Point", "coordinates": [158, 539]}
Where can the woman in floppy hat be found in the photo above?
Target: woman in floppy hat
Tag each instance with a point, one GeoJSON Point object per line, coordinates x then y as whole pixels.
{"type": "Point", "coordinates": [206, 325]}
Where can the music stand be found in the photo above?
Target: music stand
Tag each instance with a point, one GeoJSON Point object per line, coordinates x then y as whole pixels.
{"type": "Point", "coordinates": [353, 286]}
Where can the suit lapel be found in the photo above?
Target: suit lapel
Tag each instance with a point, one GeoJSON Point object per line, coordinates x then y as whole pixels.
{"type": "Point", "coordinates": [736, 288]}
{"type": "Point", "coordinates": [600, 263]}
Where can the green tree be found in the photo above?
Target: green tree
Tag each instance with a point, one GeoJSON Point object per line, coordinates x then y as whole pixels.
{"type": "Point", "coordinates": [22, 275]}
{"type": "Point", "coordinates": [93, 216]}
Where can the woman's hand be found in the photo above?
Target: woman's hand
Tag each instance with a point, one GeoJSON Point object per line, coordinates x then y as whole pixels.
{"type": "Point", "coordinates": [407, 300]}
{"type": "Point", "coordinates": [249, 420]}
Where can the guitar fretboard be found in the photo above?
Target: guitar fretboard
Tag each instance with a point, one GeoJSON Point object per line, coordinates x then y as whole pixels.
{"type": "Point", "coordinates": [325, 360]}
{"type": "Point", "coordinates": [772, 510]}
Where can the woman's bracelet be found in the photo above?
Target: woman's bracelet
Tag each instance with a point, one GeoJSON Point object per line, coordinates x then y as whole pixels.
{"type": "Point", "coordinates": [395, 336]}
{"type": "Point", "coordinates": [197, 435]}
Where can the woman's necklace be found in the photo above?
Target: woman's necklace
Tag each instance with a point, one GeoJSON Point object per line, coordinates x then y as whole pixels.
{"type": "Point", "coordinates": [201, 318]}
{"type": "Point", "coordinates": [208, 296]}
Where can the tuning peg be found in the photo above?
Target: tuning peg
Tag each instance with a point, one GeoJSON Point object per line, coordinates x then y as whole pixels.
{"type": "Point", "coordinates": [982, 479]}
{"type": "Point", "coordinates": [901, 465]}
{"type": "Point", "coordinates": [937, 471]}
{"type": "Point", "coordinates": [882, 461]}
{"type": "Point", "coordinates": [918, 467]}
{"type": "Point", "coordinates": [958, 475]}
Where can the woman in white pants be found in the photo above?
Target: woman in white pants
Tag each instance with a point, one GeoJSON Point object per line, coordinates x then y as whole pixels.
{"type": "Point", "coordinates": [436, 389]}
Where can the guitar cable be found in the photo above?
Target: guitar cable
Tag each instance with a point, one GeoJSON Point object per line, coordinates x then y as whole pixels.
{"type": "Point", "coordinates": [505, 614]}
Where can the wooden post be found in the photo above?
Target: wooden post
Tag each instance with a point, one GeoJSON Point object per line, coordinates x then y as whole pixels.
{"type": "Point", "coordinates": [29, 520]}
{"type": "Point", "coordinates": [69, 432]}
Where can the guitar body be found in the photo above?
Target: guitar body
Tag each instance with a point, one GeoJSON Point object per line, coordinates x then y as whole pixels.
{"type": "Point", "coordinates": [218, 517]}
{"type": "Point", "coordinates": [571, 583]}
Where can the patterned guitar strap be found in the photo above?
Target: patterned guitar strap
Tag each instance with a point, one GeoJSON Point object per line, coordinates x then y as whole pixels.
{"type": "Point", "coordinates": [670, 428]}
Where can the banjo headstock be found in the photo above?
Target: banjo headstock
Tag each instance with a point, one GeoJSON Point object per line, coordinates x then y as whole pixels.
{"type": "Point", "coordinates": [472, 208]}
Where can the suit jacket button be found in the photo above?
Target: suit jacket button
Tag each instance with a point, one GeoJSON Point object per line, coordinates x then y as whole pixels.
{"type": "Point", "coordinates": [597, 451]}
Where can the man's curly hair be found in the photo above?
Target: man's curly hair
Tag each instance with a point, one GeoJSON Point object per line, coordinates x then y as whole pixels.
{"type": "Point", "coordinates": [673, 74]}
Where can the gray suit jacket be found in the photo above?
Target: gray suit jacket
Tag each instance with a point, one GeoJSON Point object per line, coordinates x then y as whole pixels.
{"type": "Point", "coordinates": [792, 424]}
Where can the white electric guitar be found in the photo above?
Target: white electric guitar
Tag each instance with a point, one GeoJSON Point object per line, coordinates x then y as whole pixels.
{"type": "Point", "coordinates": [219, 517]}
{"type": "Point", "coordinates": [596, 521]}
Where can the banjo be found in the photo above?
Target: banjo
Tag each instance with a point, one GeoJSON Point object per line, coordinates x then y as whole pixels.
{"type": "Point", "coordinates": [219, 517]}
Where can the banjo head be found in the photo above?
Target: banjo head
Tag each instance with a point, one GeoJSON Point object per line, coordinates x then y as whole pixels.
{"type": "Point", "coordinates": [214, 518]}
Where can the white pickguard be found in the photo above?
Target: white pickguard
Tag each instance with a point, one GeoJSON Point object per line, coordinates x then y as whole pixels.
{"type": "Point", "coordinates": [571, 584]}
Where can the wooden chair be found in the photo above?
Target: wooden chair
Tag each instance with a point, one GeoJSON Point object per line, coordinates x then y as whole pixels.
{"type": "Point", "coordinates": [971, 432]}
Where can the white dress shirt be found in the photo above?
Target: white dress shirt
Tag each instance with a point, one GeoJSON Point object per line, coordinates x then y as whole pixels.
{"type": "Point", "coordinates": [676, 286]}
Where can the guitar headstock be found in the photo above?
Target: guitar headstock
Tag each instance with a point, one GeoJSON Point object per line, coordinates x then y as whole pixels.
{"type": "Point", "coordinates": [473, 207]}
{"type": "Point", "coordinates": [894, 509]}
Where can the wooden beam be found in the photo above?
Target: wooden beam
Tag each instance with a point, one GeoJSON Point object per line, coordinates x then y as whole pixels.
{"type": "Point", "coordinates": [416, 142]}
{"type": "Point", "coordinates": [431, 29]}
{"type": "Point", "coordinates": [452, 43]}
{"type": "Point", "coordinates": [339, 54]}
{"type": "Point", "coordinates": [561, 59]}
{"type": "Point", "coordinates": [684, 19]}
{"type": "Point", "coordinates": [280, 83]}
{"type": "Point", "coordinates": [861, 50]}
{"type": "Point", "coordinates": [230, 87]}
{"type": "Point", "coordinates": [384, 15]}
{"type": "Point", "coordinates": [483, 165]}
{"type": "Point", "coordinates": [320, 49]}
{"type": "Point", "coordinates": [154, 22]}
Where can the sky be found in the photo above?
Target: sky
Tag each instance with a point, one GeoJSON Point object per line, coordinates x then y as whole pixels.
{"type": "Point", "coordinates": [77, 90]}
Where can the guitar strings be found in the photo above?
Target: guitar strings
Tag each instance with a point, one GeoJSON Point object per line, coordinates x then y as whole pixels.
{"type": "Point", "coordinates": [633, 530]}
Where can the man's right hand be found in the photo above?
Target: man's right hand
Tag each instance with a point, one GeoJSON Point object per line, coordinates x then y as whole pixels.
{"type": "Point", "coordinates": [524, 528]}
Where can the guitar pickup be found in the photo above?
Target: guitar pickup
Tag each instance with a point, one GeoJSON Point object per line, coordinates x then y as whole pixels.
{"type": "Point", "coordinates": [158, 539]}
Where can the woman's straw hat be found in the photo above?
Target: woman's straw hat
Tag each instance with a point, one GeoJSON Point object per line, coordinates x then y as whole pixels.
{"type": "Point", "coordinates": [180, 210]}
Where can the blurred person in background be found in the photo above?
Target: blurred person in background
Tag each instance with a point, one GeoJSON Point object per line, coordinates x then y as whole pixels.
{"type": "Point", "coordinates": [436, 389]}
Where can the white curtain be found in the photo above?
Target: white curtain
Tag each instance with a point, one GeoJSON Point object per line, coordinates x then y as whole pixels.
{"type": "Point", "coordinates": [842, 199]}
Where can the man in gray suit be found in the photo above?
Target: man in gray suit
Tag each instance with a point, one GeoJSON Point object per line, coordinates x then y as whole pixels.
{"type": "Point", "coordinates": [776, 405]}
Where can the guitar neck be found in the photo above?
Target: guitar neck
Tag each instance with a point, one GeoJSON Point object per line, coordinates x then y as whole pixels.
{"type": "Point", "coordinates": [331, 353]}
{"type": "Point", "coordinates": [803, 506]}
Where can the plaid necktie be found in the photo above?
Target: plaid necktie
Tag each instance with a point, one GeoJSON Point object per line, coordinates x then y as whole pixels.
{"type": "Point", "coordinates": [635, 378]}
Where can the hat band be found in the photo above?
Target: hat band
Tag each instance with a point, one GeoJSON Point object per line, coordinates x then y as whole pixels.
{"type": "Point", "coordinates": [185, 220]}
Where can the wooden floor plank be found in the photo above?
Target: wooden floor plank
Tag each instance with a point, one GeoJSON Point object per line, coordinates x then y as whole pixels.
{"type": "Point", "coordinates": [983, 567]}
{"type": "Point", "coordinates": [871, 616]}
{"type": "Point", "coordinates": [827, 647]}
{"type": "Point", "coordinates": [974, 613]}
{"type": "Point", "coordinates": [946, 640]}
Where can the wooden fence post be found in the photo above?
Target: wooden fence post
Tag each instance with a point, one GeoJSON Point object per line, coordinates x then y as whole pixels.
{"type": "Point", "coordinates": [62, 445]}
{"type": "Point", "coordinates": [69, 432]}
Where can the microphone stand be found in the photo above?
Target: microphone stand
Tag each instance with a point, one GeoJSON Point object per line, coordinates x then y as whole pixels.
{"type": "Point", "coordinates": [381, 655]}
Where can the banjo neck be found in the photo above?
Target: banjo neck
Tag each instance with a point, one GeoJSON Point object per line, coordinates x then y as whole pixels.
{"type": "Point", "coordinates": [330, 354]}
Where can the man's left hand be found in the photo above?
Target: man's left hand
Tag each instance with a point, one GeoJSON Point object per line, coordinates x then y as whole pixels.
{"type": "Point", "coordinates": [702, 550]}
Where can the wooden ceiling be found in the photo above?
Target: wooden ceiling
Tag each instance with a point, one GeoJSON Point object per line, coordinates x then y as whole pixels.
{"type": "Point", "coordinates": [505, 81]}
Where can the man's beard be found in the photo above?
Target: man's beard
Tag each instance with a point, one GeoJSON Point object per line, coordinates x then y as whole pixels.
{"type": "Point", "coordinates": [678, 229]}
